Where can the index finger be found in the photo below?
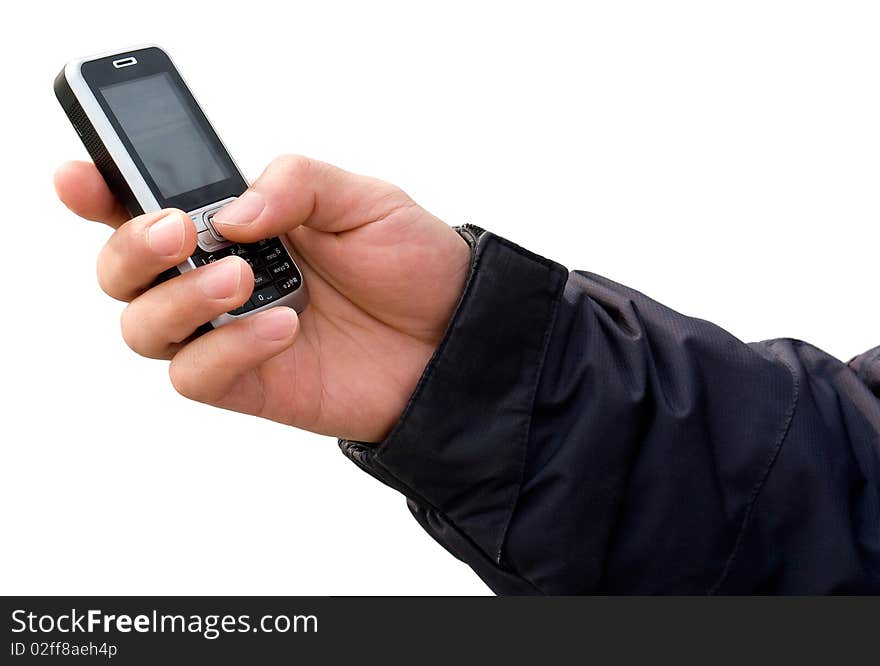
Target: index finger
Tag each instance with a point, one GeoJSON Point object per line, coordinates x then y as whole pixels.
{"type": "Point", "coordinates": [82, 189]}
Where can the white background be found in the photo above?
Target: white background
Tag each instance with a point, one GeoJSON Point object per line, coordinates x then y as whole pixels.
{"type": "Point", "coordinates": [722, 157]}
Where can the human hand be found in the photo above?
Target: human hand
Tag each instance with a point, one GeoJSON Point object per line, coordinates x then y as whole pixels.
{"type": "Point", "coordinates": [383, 274]}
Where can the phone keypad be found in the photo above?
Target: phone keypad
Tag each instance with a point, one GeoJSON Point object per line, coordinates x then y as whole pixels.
{"type": "Point", "coordinates": [275, 273]}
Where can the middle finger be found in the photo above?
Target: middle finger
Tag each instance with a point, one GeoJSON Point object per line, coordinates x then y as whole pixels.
{"type": "Point", "coordinates": [141, 249]}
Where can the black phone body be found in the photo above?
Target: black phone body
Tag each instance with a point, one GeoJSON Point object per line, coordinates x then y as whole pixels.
{"type": "Point", "coordinates": [155, 147]}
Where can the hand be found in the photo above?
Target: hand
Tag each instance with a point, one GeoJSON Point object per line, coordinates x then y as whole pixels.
{"type": "Point", "coordinates": [384, 276]}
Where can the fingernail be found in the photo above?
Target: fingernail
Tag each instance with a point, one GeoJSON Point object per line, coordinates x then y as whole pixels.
{"type": "Point", "coordinates": [166, 235]}
{"type": "Point", "coordinates": [220, 279]}
{"type": "Point", "coordinates": [243, 210]}
{"type": "Point", "coordinates": [276, 324]}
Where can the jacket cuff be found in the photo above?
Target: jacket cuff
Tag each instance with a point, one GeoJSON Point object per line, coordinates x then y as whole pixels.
{"type": "Point", "coordinates": [460, 445]}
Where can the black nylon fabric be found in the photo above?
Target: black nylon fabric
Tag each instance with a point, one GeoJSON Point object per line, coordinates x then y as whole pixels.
{"type": "Point", "coordinates": [471, 467]}
{"type": "Point", "coordinates": [572, 436]}
{"type": "Point", "coordinates": [867, 366]}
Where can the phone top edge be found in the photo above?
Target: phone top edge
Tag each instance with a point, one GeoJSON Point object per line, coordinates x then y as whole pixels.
{"type": "Point", "coordinates": [78, 62]}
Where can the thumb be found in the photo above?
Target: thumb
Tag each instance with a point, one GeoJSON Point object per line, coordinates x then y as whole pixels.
{"type": "Point", "coordinates": [295, 190]}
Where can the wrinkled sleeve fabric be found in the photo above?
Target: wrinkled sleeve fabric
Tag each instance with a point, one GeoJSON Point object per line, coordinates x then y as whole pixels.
{"type": "Point", "coordinates": [572, 436]}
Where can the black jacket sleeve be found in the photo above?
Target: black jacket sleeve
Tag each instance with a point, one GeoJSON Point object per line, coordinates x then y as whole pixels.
{"type": "Point", "coordinates": [572, 436]}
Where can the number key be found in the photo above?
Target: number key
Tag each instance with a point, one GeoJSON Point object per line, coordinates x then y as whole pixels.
{"type": "Point", "coordinates": [264, 296]}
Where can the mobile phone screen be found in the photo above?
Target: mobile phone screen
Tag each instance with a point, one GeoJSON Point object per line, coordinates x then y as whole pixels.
{"type": "Point", "coordinates": [164, 133]}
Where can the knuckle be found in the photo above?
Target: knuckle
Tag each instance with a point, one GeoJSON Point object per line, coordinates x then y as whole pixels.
{"type": "Point", "coordinates": [390, 200]}
{"type": "Point", "coordinates": [136, 226]}
{"type": "Point", "coordinates": [134, 234]}
{"type": "Point", "coordinates": [292, 166]}
{"type": "Point", "coordinates": [182, 380]}
{"type": "Point", "coordinates": [130, 331]}
{"type": "Point", "coordinates": [101, 275]}
{"type": "Point", "coordinates": [112, 264]}
{"type": "Point", "coordinates": [104, 273]}
{"type": "Point", "coordinates": [139, 336]}
{"type": "Point", "coordinates": [131, 238]}
{"type": "Point", "coordinates": [397, 198]}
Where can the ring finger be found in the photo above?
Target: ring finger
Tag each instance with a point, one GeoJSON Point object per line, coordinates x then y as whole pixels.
{"type": "Point", "coordinates": [157, 322]}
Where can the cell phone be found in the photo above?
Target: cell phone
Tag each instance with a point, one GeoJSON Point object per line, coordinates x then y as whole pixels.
{"type": "Point", "coordinates": [155, 147]}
